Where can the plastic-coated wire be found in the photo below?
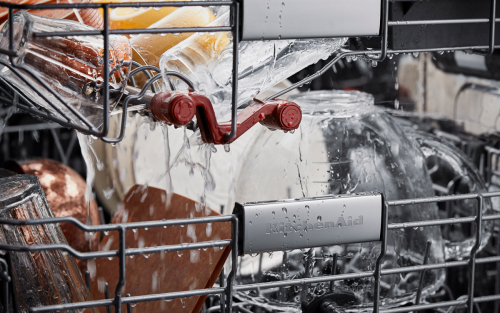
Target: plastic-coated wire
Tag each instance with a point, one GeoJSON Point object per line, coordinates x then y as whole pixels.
{"type": "Point", "coordinates": [234, 96]}
{"type": "Point", "coordinates": [250, 286]}
{"type": "Point", "coordinates": [422, 273]}
{"type": "Point", "coordinates": [145, 70]}
{"type": "Point", "coordinates": [125, 106]}
{"type": "Point", "coordinates": [234, 264]}
{"type": "Point", "coordinates": [5, 279]}
{"type": "Point", "coordinates": [31, 127]}
{"type": "Point", "coordinates": [112, 5]}
{"type": "Point", "coordinates": [137, 31]}
{"type": "Point", "coordinates": [378, 264]}
{"type": "Point", "coordinates": [16, 72]}
{"type": "Point", "coordinates": [140, 95]}
{"type": "Point", "coordinates": [475, 248]}
{"type": "Point", "coordinates": [111, 227]}
{"type": "Point", "coordinates": [492, 21]}
{"type": "Point", "coordinates": [55, 94]}
{"type": "Point", "coordinates": [384, 32]}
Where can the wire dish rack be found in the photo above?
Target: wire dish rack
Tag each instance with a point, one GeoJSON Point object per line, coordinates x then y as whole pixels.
{"type": "Point", "coordinates": [227, 284]}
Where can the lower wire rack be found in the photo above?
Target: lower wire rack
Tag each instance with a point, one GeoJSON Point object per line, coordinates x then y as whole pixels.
{"type": "Point", "coordinates": [227, 288]}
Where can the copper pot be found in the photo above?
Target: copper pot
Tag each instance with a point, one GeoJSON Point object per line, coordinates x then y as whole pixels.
{"type": "Point", "coordinates": [65, 191]}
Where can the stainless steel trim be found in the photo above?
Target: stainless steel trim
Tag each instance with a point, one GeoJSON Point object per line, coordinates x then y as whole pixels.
{"type": "Point", "coordinates": [298, 19]}
{"type": "Point", "coordinates": [309, 222]}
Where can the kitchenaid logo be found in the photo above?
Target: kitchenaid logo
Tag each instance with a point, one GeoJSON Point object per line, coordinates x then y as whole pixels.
{"type": "Point", "coordinates": [276, 228]}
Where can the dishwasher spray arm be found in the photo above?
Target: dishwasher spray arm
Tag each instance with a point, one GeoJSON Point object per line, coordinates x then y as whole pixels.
{"type": "Point", "coordinates": [178, 108]}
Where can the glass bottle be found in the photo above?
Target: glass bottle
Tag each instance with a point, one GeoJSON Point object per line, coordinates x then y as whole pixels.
{"type": "Point", "coordinates": [148, 48]}
{"type": "Point", "coordinates": [206, 59]}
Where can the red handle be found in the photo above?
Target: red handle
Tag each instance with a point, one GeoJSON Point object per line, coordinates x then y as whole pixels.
{"type": "Point", "coordinates": [178, 108]}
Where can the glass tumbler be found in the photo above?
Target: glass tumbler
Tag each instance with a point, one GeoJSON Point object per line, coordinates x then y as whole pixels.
{"type": "Point", "coordinates": [42, 277]}
{"type": "Point", "coordinates": [72, 66]}
{"type": "Point", "coordinates": [452, 173]}
{"type": "Point", "coordinates": [344, 145]}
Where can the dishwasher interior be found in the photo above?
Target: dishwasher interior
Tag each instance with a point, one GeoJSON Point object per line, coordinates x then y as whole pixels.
{"type": "Point", "coordinates": [385, 111]}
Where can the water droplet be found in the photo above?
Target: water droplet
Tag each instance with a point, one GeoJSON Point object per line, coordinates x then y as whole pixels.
{"type": "Point", "coordinates": [179, 253]}
{"type": "Point", "coordinates": [307, 207]}
{"type": "Point", "coordinates": [284, 210]}
{"type": "Point", "coordinates": [227, 148]}
{"type": "Point", "coordinates": [319, 218]}
{"type": "Point", "coordinates": [274, 213]}
{"type": "Point", "coordinates": [416, 54]}
{"type": "Point", "coordinates": [396, 104]}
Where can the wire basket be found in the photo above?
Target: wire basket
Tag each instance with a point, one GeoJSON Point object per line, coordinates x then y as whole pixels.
{"type": "Point", "coordinates": [227, 284]}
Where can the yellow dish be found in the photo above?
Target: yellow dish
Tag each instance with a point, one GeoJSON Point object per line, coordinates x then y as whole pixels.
{"type": "Point", "coordinates": [126, 18]}
{"type": "Point", "coordinates": [150, 47]}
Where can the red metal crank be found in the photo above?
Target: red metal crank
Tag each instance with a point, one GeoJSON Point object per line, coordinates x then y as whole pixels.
{"type": "Point", "coordinates": [178, 108]}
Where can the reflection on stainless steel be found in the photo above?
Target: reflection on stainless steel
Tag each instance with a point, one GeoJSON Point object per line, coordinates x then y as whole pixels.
{"type": "Point", "coordinates": [65, 191]}
{"type": "Point", "coordinates": [43, 277]}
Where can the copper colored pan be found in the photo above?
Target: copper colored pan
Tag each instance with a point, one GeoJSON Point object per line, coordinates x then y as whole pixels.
{"type": "Point", "coordinates": [65, 191]}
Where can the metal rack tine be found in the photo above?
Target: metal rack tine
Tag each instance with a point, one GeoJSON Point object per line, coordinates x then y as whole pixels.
{"type": "Point", "coordinates": [422, 273]}
{"type": "Point", "coordinates": [88, 281]}
{"type": "Point", "coordinates": [334, 270]}
{"type": "Point", "coordinates": [106, 296]}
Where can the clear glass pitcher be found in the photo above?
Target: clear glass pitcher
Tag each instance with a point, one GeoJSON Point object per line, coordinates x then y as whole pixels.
{"type": "Point", "coordinates": [344, 145]}
{"type": "Point", "coordinates": [43, 277]}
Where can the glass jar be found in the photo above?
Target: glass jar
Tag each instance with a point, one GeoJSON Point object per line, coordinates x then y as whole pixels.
{"type": "Point", "coordinates": [344, 145]}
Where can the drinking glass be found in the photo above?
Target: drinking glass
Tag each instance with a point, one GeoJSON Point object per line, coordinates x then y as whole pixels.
{"type": "Point", "coordinates": [42, 277]}
{"type": "Point", "coordinates": [71, 66]}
